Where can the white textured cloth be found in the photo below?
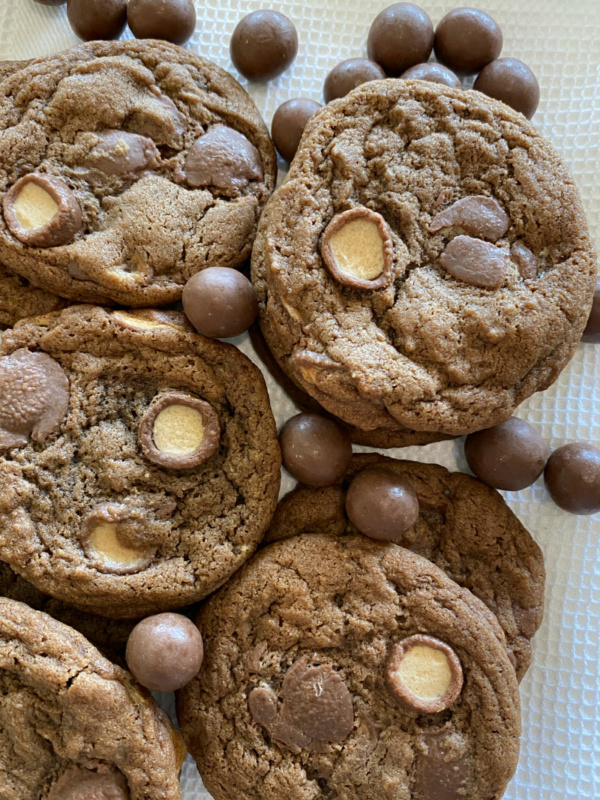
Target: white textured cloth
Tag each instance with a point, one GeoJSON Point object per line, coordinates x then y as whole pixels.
{"type": "Point", "coordinates": [560, 40]}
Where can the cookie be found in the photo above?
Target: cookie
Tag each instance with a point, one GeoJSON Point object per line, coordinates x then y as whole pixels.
{"type": "Point", "coordinates": [139, 463]}
{"type": "Point", "coordinates": [426, 265]}
{"type": "Point", "coordinates": [138, 164]}
{"type": "Point", "coordinates": [71, 723]}
{"type": "Point", "coordinates": [311, 685]}
{"type": "Point", "coordinates": [19, 299]}
{"type": "Point", "coordinates": [8, 68]}
{"type": "Point", "coordinates": [464, 527]}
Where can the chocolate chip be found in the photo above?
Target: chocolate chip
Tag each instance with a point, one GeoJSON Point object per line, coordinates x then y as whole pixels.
{"type": "Point", "coordinates": [511, 81]}
{"type": "Point", "coordinates": [382, 504]}
{"type": "Point", "coordinates": [592, 329]}
{"type": "Point", "coordinates": [348, 75]}
{"type": "Point", "coordinates": [97, 19]}
{"type": "Point", "coordinates": [400, 37]}
{"type": "Point", "coordinates": [288, 124]}
{"type": "Point", "coordinates": [476, 215]}
{"type": "Point", "coordinates": [467, 39]}
{"type": "Point", "coordinates": [573, 478]}
{"type": "Point", "coordinates": [264, 44]}
{"type": "Point", "coordinates": [510, 456]}
{"type": "Point", "coordinates": [435, 73]}
{"type": "Point", "coordinates": [164, 652]}
{"type": "Point", "coordinates": [220, 302]}
{"type": "Point", "coordinates": [524, 259]}
{"type": "Point", "coordinates": [315, 450]}
{"type": "Point", "coordinates": [222, 158]}
{"type": "Point", "coordinates": [442, 770]}
{"type": "Point", "coordinates": [123, 154]}
{"type": "Point", "coordinates": [475, 262]}
{"type": "Point", "coordinates": [77, 783]}
{"type": "Point", "coordinates": [172, 20]}
{"type": "Point", "coordinates": [34, 398]}
{"type": "Point", "coordinates": [42, 211]}
{"type": "Point", "coordinates": [112, 537]}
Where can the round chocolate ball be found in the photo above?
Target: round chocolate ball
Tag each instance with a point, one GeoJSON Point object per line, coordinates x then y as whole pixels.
{"type": "Point", "coordinates": [264, 44]}
{"type": "Point", "coordinates": [432, 72]}
{"type": "Point", "coordinates": [382, 504]}
{"type": "Point", "coordinates": [220, 302]}
{"type": "Point", "coordinates": [289, 122]}
{"type": "Point", "coordinates": [510, 456]}
{"type": "Point", "coordinates": [315, 450]}
{"type": "Point", "coordinates": [592, 329]}
{"type": "Point", "coordinates": [172, 20]}
{"type": "Point", "coordinates": [511, 81]}
{"type": "Point", "coordinates": [349, 74]}
{"type": "Point", "coordinates": [164, 652]}
{"type": "Point", "coordinates": [400, 37]}
{"type": "Point", "coordinates": [467, 39]}
{"type": "Point", "coordinates": [97, 19]}
{"type": "Point", "coordinates": [573, 478]}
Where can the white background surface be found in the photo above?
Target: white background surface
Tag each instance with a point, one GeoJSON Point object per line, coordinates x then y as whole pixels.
{"type": "Point", "coordinates": [560, 40]}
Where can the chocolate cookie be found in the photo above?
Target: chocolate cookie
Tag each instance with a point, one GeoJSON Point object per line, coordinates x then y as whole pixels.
{"type": "Point", "coordinates": [464, 527]}
{"type": "Point", "coordinates": [341, 667]}
{"type": "Point", "coordinates": [138, 164]}
{"type": "Point", "coordinates": [426, 265]}
{"type": "Point", "coordinates": [74, 725]}
{"type": "Point", "coordinates": [139, 464]}
{"type": "Point", "coordinates": [19, 299]}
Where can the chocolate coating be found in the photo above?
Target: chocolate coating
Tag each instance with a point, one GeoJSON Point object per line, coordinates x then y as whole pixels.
{"type": "Point", "coordinates": [123, 154]}
{"type": "Point", "coordinates": [51, 2]}
{"type": "Point", "coordinates": [164, 652]}
{"type": "Point", "coordinates": [477, 215]}
{"type": "Point", "coordinates": [511, 81]}
{"type": "Point", "coordinates": [315, 450]}
{"type": "Point", "coordinates": [432, 72]}
{"type": "Point", "coordinates": [509, 456]}
{"type": "Point", "coordinates": [97, 19]}
{"type": "Point", "coordinates": [222, 158]}
{"type": "Point", "coordinates": [573, 478]}
{"type": "Point", "coordinates": [349, 74]}
{"type": "Point", "coordinates": [400, 37]}
{"type": "Point", "coordinates": [173, 20]}
{"type": "Point", "coordinates": [77, 783]}
{"type": "Point", "coordinates": [467, 39]}
{"type": "Point", "coordinates": [592, 329]}
{"type": "Point", "coordinates": [381, 504]}
{"type": "Point", "coordinates": [264, 44]}
{"type": "Point", "coordinates": [220, 302]}
{"type": "Point", "coordinates": [476, 262]}
{"type": "Point", "coordinates": [289, 122]}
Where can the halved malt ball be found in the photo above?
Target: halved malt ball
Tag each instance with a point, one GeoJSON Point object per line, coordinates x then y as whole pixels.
{"type": "Point", "coordinates": [42, 211]}
{"type": "Point", "coordinates": [104, 544]}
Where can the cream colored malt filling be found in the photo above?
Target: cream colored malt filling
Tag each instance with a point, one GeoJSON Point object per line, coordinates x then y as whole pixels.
{"type": "Point", "coordinates": [104, 543]}
{"type": "Point", "coordinates": [358, 249]}
{"type": "Point", "coordinates": [138, 322]}
{"type": "Point", "coordinates": [34, 207]}
{"type": "Point", "coordinates": [425, 672]}
{"type": "Point", "coordinates": [178, 429]}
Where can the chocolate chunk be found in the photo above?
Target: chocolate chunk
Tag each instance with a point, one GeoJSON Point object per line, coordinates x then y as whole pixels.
{"type": "Point", "coordinates": [475, 262]}
{"type": "Point", "coordinates": [511, 81]}
{"type": "Point", "coordinates": [264, 44]}
{"type": "Point", "coordinates": [315, 450]}
{"type": "Point", "coordinates": [467, 39]}
{"type": "Point", "coordinates": [358, 250]}
{"type": "Point", "coordinates": [172, 20]}
{"type": "Point", "coordinates": [477, 215]}
{"type": "Point", "coordinates": [510, 456]}
{"type": "Point", "coordinates": [442, 770]}
{"type": "Point", "coordinates": [400, 37]}
{"type": "Point", "coordinates": [179, 431]}
{"type": "Point", "coordinates": [112, 537]}
{"type": "Point", "coordinates": [382, 504]}
{"type": "Point", "coordinates": [222, 158]}
{"type": "Point", "coordinates": [42, 211]}
{"type": "Point", "coordinates": [435, 73]}
{"type": "Point", "coordinates": [524, 259]}
{"type": "Point", "coordinates": [97, 19]}
{"type": "Point", "coordinates": [77, 783]}
{"type": "Point", "coordinates": [592, 329]}
{"type": "Point", "coordinates": [164, 652]}
{"type": "Point", "coordinates": [424, 674]}
{"type": "Point", "coordinates": [34, 397]}
{"type": "Point", "coordinates": [123, 154]}
{"type": "Point", "coordinates": [288, 124]}
{"type": "Point", "coordinates": [573, 478]}
{"type": "Point", "coordinates": [348, 75]}
{"type": "Point", "coordinates": [220, 302]}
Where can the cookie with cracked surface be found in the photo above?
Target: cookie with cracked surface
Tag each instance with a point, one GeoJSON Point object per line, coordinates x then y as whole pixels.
{"type": "Point", "coordinates": [311, 685]}
{"type": "Point", "coordinates": [139, 463]}
{"type": "Point", "coordinates": [74, 725]}
{"type": "Point", "coordinates": [143, 164]}
{"type": "Point", "coordinates": [492, 269]}
{"type": "Point", "coordinates": [464, 527]}
{"type": "Point", "coordinates": [19, 299]}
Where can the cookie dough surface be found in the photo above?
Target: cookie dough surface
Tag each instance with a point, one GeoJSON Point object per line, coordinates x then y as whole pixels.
{"type": "Point", "coordinates": [85, 515]}
{"type": "Point", "coordinates": [434, 350]}
{"type": "Point", "coordinates": [19, 299]}
{"type": "Point", "coordinates": [313, 620]}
